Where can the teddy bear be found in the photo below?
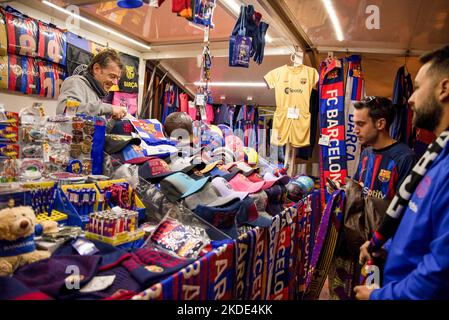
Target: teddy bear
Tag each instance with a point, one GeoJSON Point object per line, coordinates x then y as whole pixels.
{"type": "Point", "coordinates": [18, 227]}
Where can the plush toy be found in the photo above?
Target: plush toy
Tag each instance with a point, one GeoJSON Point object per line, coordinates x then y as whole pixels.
{"type": "Point", "coordinates": [17, 230]}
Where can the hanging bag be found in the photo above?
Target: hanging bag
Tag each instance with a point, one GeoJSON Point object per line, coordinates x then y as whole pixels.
{"type": "Point", "coordinates": [240, 44]}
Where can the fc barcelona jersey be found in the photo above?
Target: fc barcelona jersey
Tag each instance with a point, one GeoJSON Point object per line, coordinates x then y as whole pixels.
{"type": "Point", "coordinates": [23, 75]}
{"type": "Point", "coordinates": [382, 171]}
{"type": "Point", "coordinates": [52, 44]}
{"type": "Point", "coordinates": [22, 35]}
{"type": "Point", "coordinates": [51, 78]}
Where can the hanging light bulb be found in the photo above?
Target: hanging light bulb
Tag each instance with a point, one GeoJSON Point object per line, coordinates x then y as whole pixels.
{"type": "Point", "coordinates": [129, 4]}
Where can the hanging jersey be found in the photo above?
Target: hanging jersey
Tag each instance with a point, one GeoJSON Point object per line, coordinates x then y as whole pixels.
{"type": "Point", "coordinates": [77, 41]}
{"type": "Point", "coordinates": [129, 82]}
{"type": "Point", "coordinates": [3, 37]}
{"type": "Point", "coordinates": [77, 59]}
{"type": "Point", "coordinates": [22, 35]}
{"type": "Point", "coordinates": [184, 102]}
{"type": "Point", "coordinates": [401, 128]}
{"type": "Point", "coordinates": [52, 44]}
{"type": "Point", "coordinates": [51, 78]}
{"type": "Point", "coordinates": [293, 86]}
{"type": "Point", "coordinates": [4, 72]}
{"type": "Point", "coordinates": [192, 110]}
{"type": "Point", "coordinates": [23, 75]}
{"type": "Point", "coordinates": [382, 171]}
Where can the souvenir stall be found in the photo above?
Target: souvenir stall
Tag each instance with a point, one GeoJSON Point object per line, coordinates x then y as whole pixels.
{"type": "Point", "coordinates": [213, 186]}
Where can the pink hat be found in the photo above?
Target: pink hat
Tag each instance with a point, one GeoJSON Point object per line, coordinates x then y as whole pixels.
{"type": "Point", "coordinates": [255, 177]}
{"type": "Point", "coordinates": [241, 183]}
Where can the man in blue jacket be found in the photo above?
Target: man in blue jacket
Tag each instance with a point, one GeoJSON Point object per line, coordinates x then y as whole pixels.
{"type": "Point", "coordinates": [417, 265]}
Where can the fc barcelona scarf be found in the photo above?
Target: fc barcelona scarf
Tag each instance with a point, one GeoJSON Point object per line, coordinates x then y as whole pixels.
{"type": "Point", "coordinates": [325, 244]}
{"type": "Point", "coordinates": [221, 273]}
{"type": "Point", "coordinates": [332, 124]}
{"type": "Point", "coordinates": [259, 272]}
{"type": "Point", "coordinates": [271, 252]}
{"type": "Point", "coordinates": [355, 91]}
{"type": "Point", "coordinates": [280, 279]}
{"type": "Point", "coordinates": [245, 254]}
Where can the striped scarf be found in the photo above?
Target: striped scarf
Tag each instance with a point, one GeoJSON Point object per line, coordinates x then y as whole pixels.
{"type": "Point", "coordinates": [397, 206]}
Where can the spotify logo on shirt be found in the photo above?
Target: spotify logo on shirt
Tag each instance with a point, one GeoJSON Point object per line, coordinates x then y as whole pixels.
{"type": "Point", "coordinates": [289, 90]}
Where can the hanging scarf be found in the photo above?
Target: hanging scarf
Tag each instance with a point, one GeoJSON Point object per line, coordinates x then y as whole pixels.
{"type": "Point", "coordinates": [397, 206]}
{"type": "Point", "coordinates": [355, 91]}
{"type": "Point", "coordinates": [95, 85]}
{"type": "Point", "coordinates": [332, 124]}
{"type": "Point", "coordinates": [325, 245]}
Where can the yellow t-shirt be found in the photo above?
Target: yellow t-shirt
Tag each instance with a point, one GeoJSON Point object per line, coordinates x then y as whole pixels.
{"type": "Point", "coordinates": [293, 86]}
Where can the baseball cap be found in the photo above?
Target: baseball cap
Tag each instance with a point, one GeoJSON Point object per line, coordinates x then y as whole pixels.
{"type": "Point", "coordinates": [154, 169]}
{"type": "Point", "coordinates": [225, 189]}
{"type": "Point", "coordinates": [250, 215]}
{"type": "Point", "coordinates": [241, 183]}
{"type": "Point", "coordinates": [179, 185]}
{"type": "Point", "coordinates": [218, 172]}
{"type": "Point", "coordinates": [248, 155]}
{"type": "Point", "coordinates": [262, 218]}
{"type": "Point", "coordinates": [133, 154]}
{"type": "Point", "coordinates": [182, 164]}
{"type": "Point", "coordinates": [209, 167]}
{"type": "Point", "coordinates": [161, 151]}
{"type": "Point", "coordinates": [122, 127]}
{"type": "Point", "coordinates": [246, 169]}
{"type": "Point", "coordinates": [274, 206]}
{"type": "Point", "coordinates": [209, 196]}
{"type": "Point", "coordinates": [115, 143]}
{"type": "Point", "coordinates": [283, 179]}
{"type": "Point", "coordinates": [255, 177]}
{"type": "Point", "coordinates": [223, 154]}
{"type": "Point", "coordinates": [223, 217]}
{"type": "Point", "coordinates": [234, 143]}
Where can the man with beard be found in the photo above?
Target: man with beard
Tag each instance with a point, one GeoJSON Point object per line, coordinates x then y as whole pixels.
{"type": "Point", "coordinates": [383, 165]}
{"type": "Point", "coordinates": [417, 265]}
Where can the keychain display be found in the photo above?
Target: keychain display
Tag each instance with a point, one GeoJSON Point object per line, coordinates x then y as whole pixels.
{"type": "Point", "coordinates": [83, 200]}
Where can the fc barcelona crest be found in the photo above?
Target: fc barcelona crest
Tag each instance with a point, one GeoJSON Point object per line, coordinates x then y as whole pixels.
{"type": "Point", "coordinates": [303, 80]}
{"type": "Point", "coordinates": [384, 175]}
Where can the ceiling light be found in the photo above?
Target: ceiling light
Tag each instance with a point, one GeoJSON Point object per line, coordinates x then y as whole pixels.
{"type": "Point", "coordinates": [333, 15]}
{"type": "Point", "coordinates": [222, 97]}
{"type": "Point", "coordinates": [232, 84]}
{"type": "Point", "coordinates": [249, 98]}
{"type": "Point", "coordinates": [99, 26]}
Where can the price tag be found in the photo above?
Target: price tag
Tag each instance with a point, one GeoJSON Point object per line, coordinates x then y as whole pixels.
{"type": "Point", "coordinates": [203, 113]}
{"type": "Point", "coordinates": [293, 113]}
{"type": "Point", "coordinates": [324, 140]}
{"type": "Point", "coordinates": [200, 100]}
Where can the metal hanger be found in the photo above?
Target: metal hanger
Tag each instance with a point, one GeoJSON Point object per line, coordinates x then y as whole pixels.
{"type": "Point", "coordinates": [297, 57]}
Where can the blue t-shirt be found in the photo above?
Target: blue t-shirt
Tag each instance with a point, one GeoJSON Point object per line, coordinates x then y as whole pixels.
{"type": "Point", "coordinates": [417, 265]}
{"type": "Point", "coordinates": [382, 171]}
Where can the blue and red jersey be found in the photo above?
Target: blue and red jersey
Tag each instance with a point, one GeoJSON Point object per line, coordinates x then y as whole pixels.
{"type": "Point", "coordinates": [382, 171]}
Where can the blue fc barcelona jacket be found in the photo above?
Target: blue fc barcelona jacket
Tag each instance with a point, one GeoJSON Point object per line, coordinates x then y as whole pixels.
{"type": "Point", "coordinates": [417, 265]}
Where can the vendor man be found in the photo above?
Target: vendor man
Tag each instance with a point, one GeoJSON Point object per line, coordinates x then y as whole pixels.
{"type": "Point", "coordinates": [93, 85]}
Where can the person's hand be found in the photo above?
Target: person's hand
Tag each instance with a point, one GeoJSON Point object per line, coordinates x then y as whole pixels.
{"type": "Point", "coordinates": [330, 189]}
{"type": "Point", "coordinates": [364, 254]}
{"type": "Point", "coordinates": [362, 292]}
{"type": "Point", "coordinates": [118, 112]}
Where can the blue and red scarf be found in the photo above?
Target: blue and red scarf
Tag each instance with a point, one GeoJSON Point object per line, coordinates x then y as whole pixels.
{"type": "Point", "coordinates": [332, 124]}
{"type": "Point", "coordinates": [355, 91]}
